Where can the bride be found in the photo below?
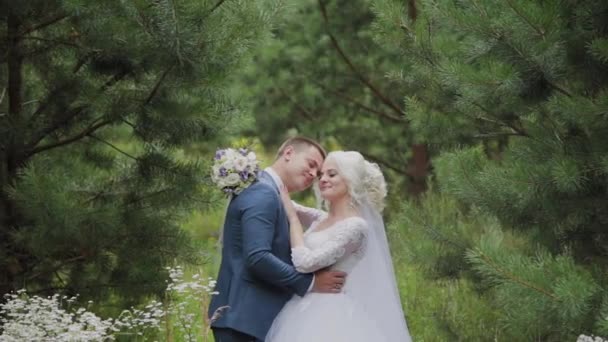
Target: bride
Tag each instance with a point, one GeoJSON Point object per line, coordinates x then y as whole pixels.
{"type": "Point", "coordinates": [350, 237]}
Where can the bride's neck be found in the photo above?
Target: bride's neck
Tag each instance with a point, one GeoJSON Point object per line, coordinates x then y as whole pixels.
{"type": "Point", "coordinates": [341, 208]}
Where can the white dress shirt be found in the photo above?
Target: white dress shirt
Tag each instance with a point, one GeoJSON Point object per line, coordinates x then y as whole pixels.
{"type": "Point", "coordinates": [279, 182]}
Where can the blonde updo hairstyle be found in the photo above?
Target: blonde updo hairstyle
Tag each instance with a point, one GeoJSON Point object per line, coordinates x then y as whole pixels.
{"type": "Point", "coordinates": [364, 179]}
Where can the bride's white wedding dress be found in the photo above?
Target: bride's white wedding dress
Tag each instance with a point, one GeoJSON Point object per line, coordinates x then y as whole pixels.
{"type": "Point", "coordinates": [338, 317]}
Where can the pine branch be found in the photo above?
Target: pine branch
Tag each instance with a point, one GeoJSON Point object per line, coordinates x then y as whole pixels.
{"type": "Point", "coordinates": [72, 114]}
{"type": "Point", "coordinates": [558, 88]}
{"type": "Point", "coordinates": [213, 9]}
{"type": "Point", "coordinates": [75, 112]}
{"type": "Point", "coordinates": [303, 110]}
{"type": "Point", "coordinates": [54, 41]}
{"type": "Point", "coordinates": [114, 79]}
{"type": "Point", "coordinates": [55, 19]}
{"type": "Point", "coordinates": [465, 170]}
{"type": "Point", "coordinates": [496, 135]}
{"type": "Point", "coordinates": [96, 196]}
{"type": "Point", "coordinates": [81, 61]}
{"type": "Point", "coordinates": [51, 128]}
{"type": "Point", "coordinates": [58, 267]}
{"type": "Point", "coordinates": [427, 53]}
{"type": "Point", "coordinates": [437, 235]}
{"type": "Point", "coordinates": [44, 104]}
{"type": "Point", "coordinates": [526, 19]}
{"type": "Point", "coordinates": [132, 125]}
{"type": "Point", "coordinates": [157, 85]}
{"type": "Point", "coordinates": [112, 146]}
{"type": "Point", "coordinates": [149, 195]}
{"type": "Point", "coordinates": [499, 34]}
{"type": "Point", "coordinates": [129, 206]}
{"type": "Point", "coordinates": [217, 5]}
{"type": "Point", "coordinates": [480, 9]}
{"type": "Point", "coordinates": [354, 69]}
{"type": "Point", "coordinates": [172, 170]}
{"type": "Point", "coordinates": [128, 123]}
{"type": "Point", "coordinates": [59, 277]}
{"type": "Point", "coordinates": [510, 276]}
{"type": "Point", "coordinates": [38, 51]}
{"type": "Point", "coordinates": [359, 104]}
{"type": "Point", "coordinates": [177, 41]}
{"type": "Point", "coordinates": [516, 129]}
{"type": "Point", "coordinates": [92, 128]}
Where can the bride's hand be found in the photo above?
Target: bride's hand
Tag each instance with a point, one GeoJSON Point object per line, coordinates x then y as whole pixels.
{"type": "Point", "coordinates": [289, 207]}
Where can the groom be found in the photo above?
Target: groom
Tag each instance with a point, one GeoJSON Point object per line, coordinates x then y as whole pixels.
{"type": "Point", "coordinates": [256, 276]}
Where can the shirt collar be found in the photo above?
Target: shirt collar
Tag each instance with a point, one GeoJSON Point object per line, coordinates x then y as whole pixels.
{"type": "Point", "coordinates": [275, 177]}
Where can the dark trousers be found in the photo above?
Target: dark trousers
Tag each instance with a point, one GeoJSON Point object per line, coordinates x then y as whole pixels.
{"type": "Point", "coordinates": [230, 335]}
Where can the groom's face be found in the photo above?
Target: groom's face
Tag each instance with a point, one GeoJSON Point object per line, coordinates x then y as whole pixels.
{"type": "Point", "coordinates": [304, 164]}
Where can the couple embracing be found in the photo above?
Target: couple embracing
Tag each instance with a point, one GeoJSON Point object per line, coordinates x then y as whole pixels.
{"type": "Point", "coordinates": [333, 281]}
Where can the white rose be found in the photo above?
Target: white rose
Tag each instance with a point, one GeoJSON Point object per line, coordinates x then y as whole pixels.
{"type": "Point", "coordinates": [240, 164]}
{"type": "Point", "coordinates": [231, 154]}
{"type": "Point", "coordinates": [228, 164]}
{"type": "Point", "coordinates": [216, 170]}
{"type": "Point", "coordinates": [221, 183]}
{"type": "Point", "coordinates": [251, 157]}
{"type": "Point", "coordinates": [232, 179]}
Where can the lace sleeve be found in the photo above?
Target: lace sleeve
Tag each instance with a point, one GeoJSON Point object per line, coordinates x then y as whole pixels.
{"type": "Point", "coordinates": [346, 239]}
{"type": "Point", "coordinates": [307, 215]}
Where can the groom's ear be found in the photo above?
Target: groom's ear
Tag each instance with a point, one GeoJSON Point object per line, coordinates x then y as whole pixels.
{"type": "Point", "coordinates": [288, 152]}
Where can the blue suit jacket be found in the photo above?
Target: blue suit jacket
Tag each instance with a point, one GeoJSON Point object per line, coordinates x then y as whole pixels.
{"type": "Point", "coordinates": [256, 276]}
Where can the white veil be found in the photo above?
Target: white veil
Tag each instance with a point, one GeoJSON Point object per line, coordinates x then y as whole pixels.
{"type": "Point", "coordinates": [372, 281]}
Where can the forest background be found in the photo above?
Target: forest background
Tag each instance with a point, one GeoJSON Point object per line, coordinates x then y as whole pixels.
{"type": "Point", "coordinates": [488, 118]}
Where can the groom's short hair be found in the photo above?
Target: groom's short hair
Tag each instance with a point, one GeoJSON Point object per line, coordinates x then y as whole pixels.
{"type": "Point", "coordinates": [299, 142]}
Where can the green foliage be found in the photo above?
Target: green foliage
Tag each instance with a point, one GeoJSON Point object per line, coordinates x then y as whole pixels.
{"type": "Point", "coordinates": [442, 299]}
{"type": "Point", "coordinates": [103, 105]}
{"type": "Point", "coordinates": [558, 294]}
{"type": "Point", "coordinates": [602, 324]}
{"type": "Point", "coordinates": [323, 76]}
{"type": "Point", "coordinates": [472, 279]}
{"type": "Point", "coordinates": [599, 49]}
{"type": "Point", "coordinates": [513, 95]}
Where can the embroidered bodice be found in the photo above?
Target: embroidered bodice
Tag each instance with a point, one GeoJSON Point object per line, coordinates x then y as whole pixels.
{"type": "Point", "coordinates": [340, 245]}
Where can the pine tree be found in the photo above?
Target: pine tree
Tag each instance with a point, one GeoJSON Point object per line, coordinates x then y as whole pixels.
{"type": "Point", "coordinates": [95, 99]}
{"type": "Point", "coordinates": [514, 94]}
{"type": "Point", "coordinates": [324, 76]}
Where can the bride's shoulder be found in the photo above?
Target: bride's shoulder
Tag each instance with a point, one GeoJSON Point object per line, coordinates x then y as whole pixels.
{"type": "Point", "coordinates": [356, 223]}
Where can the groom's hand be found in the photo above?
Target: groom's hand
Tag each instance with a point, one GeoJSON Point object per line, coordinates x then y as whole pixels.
{"type": "Point", "coordinates": [327, 281]}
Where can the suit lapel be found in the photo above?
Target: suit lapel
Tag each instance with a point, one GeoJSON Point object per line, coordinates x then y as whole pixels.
{"type": "Point", "coordinates": [283, 222]}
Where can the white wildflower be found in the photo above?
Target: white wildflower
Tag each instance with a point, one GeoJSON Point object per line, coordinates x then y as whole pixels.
{"type": "Point", "coordinates": [585, 338]}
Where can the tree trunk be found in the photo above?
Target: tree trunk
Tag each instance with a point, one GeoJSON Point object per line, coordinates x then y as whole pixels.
{"type": "Point", "coordinates": [10, 155]}
{"type": "Point", "coordinates": [418, 169]}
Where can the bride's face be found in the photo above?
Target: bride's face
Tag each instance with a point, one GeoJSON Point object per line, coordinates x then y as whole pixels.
{"type": "Point", "coordinates": [331, 184]}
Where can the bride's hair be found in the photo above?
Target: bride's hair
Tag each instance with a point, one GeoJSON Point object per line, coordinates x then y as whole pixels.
{"type": "Point", "coordinates": [364, 179]}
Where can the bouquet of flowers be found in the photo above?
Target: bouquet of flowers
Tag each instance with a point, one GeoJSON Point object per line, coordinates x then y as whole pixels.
{"type": "Point", "coordinates": [234, 169]}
